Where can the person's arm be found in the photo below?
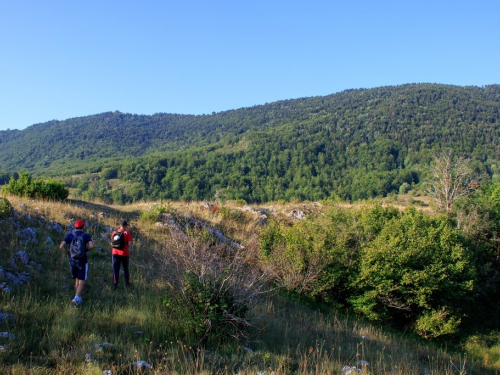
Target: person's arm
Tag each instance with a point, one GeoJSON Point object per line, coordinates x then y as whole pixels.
{"type": "Point", "coordinates": [90, 245]}
{"type": "Point", "coordinates": [129, 240]}
{"type": "Point", "coordinates": [62, 246]}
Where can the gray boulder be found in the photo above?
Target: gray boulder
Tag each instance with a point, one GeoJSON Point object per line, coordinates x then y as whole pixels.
{"type": "Point", "coordinates": [22, 257]}
{"type": "Point", "coordinates": [55, 226]}
{"type": "Point", "coordinates": [49, 242]}
{"type": "Point", "coordinates": [28, 235]}
{"type": "Point", "coordinates": [17, 279]}
{"type": "Point", "coordinates": [6, 318]}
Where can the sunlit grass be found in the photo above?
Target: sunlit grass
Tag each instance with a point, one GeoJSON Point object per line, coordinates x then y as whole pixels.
{"type": "Point", "coordinates": [117, 328]}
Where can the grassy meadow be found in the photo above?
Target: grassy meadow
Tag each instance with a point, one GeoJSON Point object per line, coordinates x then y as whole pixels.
{"type": "Point", "coordinates": [113, 331]}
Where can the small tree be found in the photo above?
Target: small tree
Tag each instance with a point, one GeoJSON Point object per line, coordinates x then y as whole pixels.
{"type": "Point", "coordinates": [451, 180]}
{"type": "Point", "coordinates": [404, 188]}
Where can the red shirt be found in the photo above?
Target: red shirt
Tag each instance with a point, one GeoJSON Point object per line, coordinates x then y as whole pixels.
{"type": "Point", "coordinates": [124, 251]}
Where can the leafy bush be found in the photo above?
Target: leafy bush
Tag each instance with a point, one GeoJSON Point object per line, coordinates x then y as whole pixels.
{"type": "Point", "coordinates": [210, 309]}
{"type": "Point", "coordinates": [409, 268]}
{"type": "Point", "coordinates": [25, 186]}
{"type": "Point", "coordinates": [292, 256]}
{"type": "Point", "coordinates": [404, 188]}
{"type": "Point", "coordinates": [6, 209]}
{"type": "Point", "coordinates": [211, 288]}
{"type": "Point", "coordinates": [53, 189]}
{"type": "Point", "coordinates": [154, 212]}
{"type": "Point", "coordinates": [108, 173]}
{"type": "Point", "coordinates": [320, 256]}
{"type": "Point", "coordinates": [416, 271]}
{"type": "Point", "coordinates": [228, 214]}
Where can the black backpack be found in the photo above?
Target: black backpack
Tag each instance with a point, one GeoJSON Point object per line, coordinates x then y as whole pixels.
{"type": "Point", "coordinates": [118, 240]}
{"type": "Point", "coordinates": [77, 246]}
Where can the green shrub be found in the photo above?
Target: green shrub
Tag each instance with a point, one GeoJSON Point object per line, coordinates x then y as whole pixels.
{"type": "Point", "coordinates": [53, 189]}
{"type": "Point", "coordinates": [437, 323]}
{"type": "Point", "coordinates": [415, 202]}
{"type": "Point", "coordinates": [417, 271]}
{"type": "Point", "coordinates": [320, 256]}
{"type": "Point", "coordinates": [228, 214]}
{"type": "Point", "coordinates": [404, 188]}
{"type": "Point", "coordinates": [108, 173]}
{"type": "Point", "coordinates": [153, 214]}
{"type": "Point", "coordinates": [209, 308]}
{"type": "Point", "coordinates": [6, 209]}
{"type": "Point", "coordinates": [211, 287]}
{"type": "Point", "coordinates": [25, 186]}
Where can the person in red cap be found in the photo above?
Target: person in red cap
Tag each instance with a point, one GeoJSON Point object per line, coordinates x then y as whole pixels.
{"type": "Point", "coordinates": [120, 242]}
{"type": "Point", "coordinates": [79, 244]}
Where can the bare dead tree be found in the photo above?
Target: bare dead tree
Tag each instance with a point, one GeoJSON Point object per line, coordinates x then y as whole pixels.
{"type": "Point", "coordinates": [451, 180]}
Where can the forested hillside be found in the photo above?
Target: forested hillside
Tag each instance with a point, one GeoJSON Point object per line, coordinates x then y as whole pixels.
{"type": "Point", "coordinates": [355, 144]}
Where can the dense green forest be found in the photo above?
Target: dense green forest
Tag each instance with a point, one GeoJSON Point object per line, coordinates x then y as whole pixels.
{"type": "Point", "coordinates": [356, 144]}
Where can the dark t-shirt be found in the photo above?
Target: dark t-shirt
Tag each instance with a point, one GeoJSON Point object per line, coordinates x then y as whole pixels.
{"type": "Point", "coordinates": [86, 238]}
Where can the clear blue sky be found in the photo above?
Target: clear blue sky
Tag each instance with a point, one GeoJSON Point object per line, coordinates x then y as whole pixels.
{"type": "Point", "coordinates": [71, 58]}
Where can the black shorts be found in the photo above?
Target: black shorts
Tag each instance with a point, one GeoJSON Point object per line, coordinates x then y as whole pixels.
{"type": "Point", "coordinates": [79, 269]}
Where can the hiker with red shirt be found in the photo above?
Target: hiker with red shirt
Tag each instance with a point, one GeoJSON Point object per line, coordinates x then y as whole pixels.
{"type": "Point", "coordinates": [121, 255]}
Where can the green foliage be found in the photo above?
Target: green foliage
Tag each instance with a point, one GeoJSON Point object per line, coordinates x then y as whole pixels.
{"type": "Point", "coordinates": [407, 268]}
{"type": "Point", "coordinates": [415, 202]}
{"type": "Point", "coordinates": [25, 186]}
{"type": "Point", "coordinates": [484, 348]}
{"type": "Point", "coordinates": [108, 173]}
{"type": "Point", "coordinates": [404, 188]}
{"type": "Point", "coordinates": [21, 186]}
{"type": "Point", "coordinates": [357, 144]}
{"type": "Point", "coordinates": [6, 209]}
{"type": "Point", "coordinates": [491, 199]}
{"type": "Point", "coordinates": [52, 189]}
{"type": "Point", "coordinates": [154, 213]}
{"type": "Point", "coordinates": [437, 323]}
{"type": "Point", "coordinates": [228, 214]}
{"type": "Point", "coordinates": [271, 238]}
{"type": "Point", "coordinates": [321, 256]}
{"type": "Point", "coordinates": [209, 308]}
{"type": "Point", "coordinates": [416, 266]}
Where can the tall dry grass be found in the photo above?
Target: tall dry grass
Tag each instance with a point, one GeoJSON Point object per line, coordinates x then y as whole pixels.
{"type": "Point", "coordinates": [119, 328]}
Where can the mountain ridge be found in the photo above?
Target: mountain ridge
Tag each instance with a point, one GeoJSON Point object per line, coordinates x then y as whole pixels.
{"type": "Point", "coordinates": [331, 140]}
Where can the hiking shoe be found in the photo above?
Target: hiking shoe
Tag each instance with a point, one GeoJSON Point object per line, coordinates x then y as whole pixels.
{"type": "Point", "coordinates": [77, 300]}
{"type": "Point", "coordinates": [115, 287]}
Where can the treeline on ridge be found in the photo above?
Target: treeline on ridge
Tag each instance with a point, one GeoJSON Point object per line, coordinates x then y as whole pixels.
{"type": "Point", "coordinates": [354, 145]}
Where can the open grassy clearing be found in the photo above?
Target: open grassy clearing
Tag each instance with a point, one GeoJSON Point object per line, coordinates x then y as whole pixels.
{"type": "Point", "coordinates": [119, 328]}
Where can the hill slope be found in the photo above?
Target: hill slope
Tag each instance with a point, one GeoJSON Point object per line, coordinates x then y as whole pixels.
{"type": "Point", "coordinates": [112, 330]}
{"type": "Point", "coordinates": [417, 115]}
{"type": "Point", "coordinates": [311, 145]}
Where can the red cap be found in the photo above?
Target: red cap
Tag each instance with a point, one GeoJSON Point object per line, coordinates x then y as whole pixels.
{"type": "Point", "coordinates": [79, 224]}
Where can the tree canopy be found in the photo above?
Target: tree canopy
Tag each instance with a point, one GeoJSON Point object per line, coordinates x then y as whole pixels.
{"type": "Point", "coordinates": [356, 144]}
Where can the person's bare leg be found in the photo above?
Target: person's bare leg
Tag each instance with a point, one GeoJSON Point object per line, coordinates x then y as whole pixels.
{"type": "Point", "coordinates": [79, 288]}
